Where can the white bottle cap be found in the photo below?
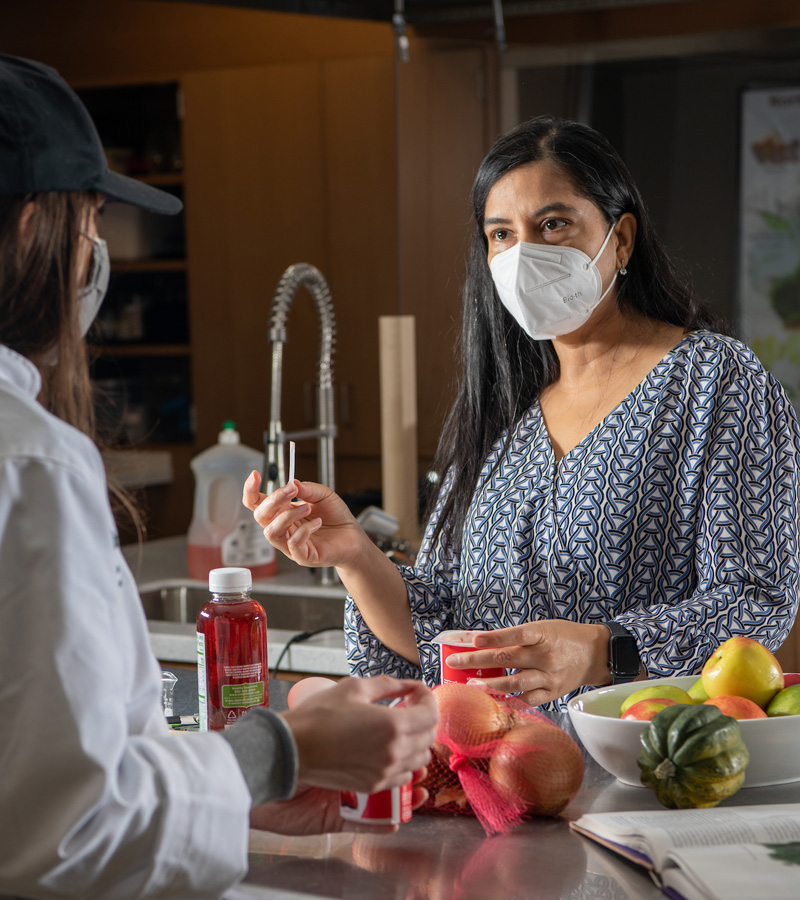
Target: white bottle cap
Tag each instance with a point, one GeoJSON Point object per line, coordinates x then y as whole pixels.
{"type": "Point", "coordinates": [230, 580]}
{"type": "Point", "coordinates": [229, 434]}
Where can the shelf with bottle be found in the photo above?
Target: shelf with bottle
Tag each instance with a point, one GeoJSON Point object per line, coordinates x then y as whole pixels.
{"type": "Point", "coordinates": [140, 344]}
{"type": "Point", "coordinates": [143, 399]}
{"type": "Point", "coordinates": [143, 308]}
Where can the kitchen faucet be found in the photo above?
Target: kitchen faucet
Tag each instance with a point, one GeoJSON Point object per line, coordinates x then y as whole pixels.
{"type": "Point", "coordinates": [275, 438]}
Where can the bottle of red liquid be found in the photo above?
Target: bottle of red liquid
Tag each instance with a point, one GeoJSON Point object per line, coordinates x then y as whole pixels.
{"type": "Point", "coordinates": [232, 668]}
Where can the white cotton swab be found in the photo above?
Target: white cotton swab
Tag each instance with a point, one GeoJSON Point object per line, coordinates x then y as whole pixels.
{"type": "Point", "coordinates": [291, 462]}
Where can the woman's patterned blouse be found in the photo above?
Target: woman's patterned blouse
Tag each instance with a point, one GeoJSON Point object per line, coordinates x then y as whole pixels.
{"type": "Point", "coordinates": [677, 516]}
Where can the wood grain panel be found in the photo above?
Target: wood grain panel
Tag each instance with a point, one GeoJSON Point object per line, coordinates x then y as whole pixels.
{"type": "Point", "coordinates": [360, 183]}
{"type": "Point", "coordinates": [789, 654]}
{"type": "Point", "coordinates": [255, 182]}
{"type": "Point", "coordinates": [442, 110]}
{"type": "Point", "coordinates": [94, 41]}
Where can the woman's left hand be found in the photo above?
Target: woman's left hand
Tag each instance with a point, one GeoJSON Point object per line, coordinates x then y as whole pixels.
{"type": "Point", "coordinates": [552, 656]}
{"type": "Point", "coordinates": [315, 810]}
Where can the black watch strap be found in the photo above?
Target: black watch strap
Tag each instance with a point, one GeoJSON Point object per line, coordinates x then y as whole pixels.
{"type": "Point", "coordinates": [623, 654]}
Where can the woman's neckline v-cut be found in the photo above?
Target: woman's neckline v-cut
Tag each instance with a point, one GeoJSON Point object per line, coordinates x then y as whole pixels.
{"type": "Point", "coordinates": [618, 407]}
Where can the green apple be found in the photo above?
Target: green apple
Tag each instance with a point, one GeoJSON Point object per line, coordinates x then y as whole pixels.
{"type": "Point", "coordinates": [697, 692]}
{"type": "Point", "coordinates": [743, 667]}
{"type": "Point", "coordinates": [785, 702]}
{"type": "Point", "coordinates": [670, 691]}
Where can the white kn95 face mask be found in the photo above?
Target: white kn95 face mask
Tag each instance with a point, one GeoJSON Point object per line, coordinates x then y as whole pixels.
{"type": "Point", "coordinates": [549, 290]}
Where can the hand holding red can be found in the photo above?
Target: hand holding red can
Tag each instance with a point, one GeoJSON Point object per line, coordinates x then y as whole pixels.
{"type": "Point", "coordinates": [452, 642]}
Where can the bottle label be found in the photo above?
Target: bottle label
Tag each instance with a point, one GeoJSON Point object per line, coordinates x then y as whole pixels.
{"type": "Point", "coordinates": [236, 696]}
{"type": "Point", "coordinates": [201, 682]}
{"type": "Point", "coordinates": [247, 546]}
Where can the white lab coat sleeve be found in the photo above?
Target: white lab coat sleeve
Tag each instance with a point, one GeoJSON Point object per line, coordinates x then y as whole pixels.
{"type": "Point", "coordinates": [98, 799]}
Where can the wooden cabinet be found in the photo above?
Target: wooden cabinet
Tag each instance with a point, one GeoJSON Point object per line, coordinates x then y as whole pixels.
{"type": "Point", "coordinates": [362, 171]}
{"type": "Point", "coordinates": [279, 164]}
{"type": "Point", "coordinates": [285, 164]}
{"type": "Point", "coordinates": [339, 158]}
{"type": "Point", "coordinates": [445, 126]}
{"type": "Point", "coordinates": [789, 654]}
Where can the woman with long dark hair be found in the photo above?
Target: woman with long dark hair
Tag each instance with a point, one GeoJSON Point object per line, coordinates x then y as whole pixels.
{"type": "Point", "coordinates": [98, 798]}
{"type": "Point", "coordinates": [618, 480]}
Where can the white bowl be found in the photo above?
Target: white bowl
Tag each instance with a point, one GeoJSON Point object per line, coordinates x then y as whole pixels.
{"type": "Point", "coordinates": [614, 743]}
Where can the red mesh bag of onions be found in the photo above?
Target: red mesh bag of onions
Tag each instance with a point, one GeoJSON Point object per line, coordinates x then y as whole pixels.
{"type": "Point", "coordinates": [498, 759]}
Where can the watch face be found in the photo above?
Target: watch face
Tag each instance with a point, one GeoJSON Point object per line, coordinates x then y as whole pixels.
{"type": "Point", "coordinates": [625, 663]}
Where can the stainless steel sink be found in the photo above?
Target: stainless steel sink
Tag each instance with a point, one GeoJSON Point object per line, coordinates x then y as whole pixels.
{"type": "Point", "coordinates": [180, 603]}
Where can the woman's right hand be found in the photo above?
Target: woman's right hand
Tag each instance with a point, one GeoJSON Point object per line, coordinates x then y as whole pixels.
{"type": "Point", "coordinates": [318, 530]}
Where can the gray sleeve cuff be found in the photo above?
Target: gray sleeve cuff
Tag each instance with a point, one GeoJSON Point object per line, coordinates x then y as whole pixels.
{"type": "Point", "coordinates": [267, 754]}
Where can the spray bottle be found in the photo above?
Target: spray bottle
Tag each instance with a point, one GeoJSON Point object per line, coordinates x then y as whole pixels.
{"type": "Point", "coordinates": [223, 532]}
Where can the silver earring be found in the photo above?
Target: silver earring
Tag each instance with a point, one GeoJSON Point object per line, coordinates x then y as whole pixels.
{"type": "Point", "coordinates": [623, 270]}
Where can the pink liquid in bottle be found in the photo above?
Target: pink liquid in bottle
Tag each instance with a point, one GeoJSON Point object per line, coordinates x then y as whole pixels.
{"type": "Point", "coordinates": [232, 665]}
{"type": "Point", "coordinates": [201, 559]}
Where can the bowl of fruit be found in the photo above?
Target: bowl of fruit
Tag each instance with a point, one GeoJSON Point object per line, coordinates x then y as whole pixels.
{"type": "Point", "coordinates": [741, 678]}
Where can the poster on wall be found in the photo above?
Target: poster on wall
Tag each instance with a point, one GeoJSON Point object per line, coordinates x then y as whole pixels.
{"type": "Point", "coordinates": [769, 278]}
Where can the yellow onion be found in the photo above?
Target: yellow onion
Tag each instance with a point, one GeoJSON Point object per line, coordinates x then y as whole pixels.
{"type": "Point", "coordinates": [538, 763]}
{"type": "Point", "coordinates": [468, 715]}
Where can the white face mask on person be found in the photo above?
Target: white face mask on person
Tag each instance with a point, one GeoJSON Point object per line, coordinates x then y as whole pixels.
{"type": "Point", "coordinates": [91, 296]}
{"type": "Point", "coordinates": [549, 290]}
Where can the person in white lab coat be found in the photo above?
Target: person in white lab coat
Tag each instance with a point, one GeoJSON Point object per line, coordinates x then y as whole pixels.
{"type": "Point", "coordinates": [97, 798]}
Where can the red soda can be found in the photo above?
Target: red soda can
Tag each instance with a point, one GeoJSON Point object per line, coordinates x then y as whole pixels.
{"type": "Point", "coordinates": [459, 642]}
{"type": "Point", "coordinates": [389, 807]}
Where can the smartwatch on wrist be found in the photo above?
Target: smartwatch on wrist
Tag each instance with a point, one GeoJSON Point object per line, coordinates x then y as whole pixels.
{"type": "Point", "coordinates": [623, 654]}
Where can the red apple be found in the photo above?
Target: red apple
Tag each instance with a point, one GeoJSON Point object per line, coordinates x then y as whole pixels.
{"type": "Point", "coordinates": [738, 707]}
{"type": "Point", "coordinates": [790, 678]}
{"type": "Point", "coordinates": [646, 710]}
{"type": "Point", "coordinates": [741, 667]}
{"type": "Point", "coordinates": [653, 692]}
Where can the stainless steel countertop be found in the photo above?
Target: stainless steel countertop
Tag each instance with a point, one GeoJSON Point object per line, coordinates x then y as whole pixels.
{"type": "Point", "coordinates": [442, 857]}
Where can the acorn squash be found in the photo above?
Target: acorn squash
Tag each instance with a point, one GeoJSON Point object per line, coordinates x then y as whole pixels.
{"type": "Point", "coordinates": [692, 756]}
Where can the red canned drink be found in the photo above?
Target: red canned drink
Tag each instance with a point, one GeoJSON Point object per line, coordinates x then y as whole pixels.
{"type": "Point", "coordinates": [458, 642]}
{"type": "Point", "coordinates": [389, 807]}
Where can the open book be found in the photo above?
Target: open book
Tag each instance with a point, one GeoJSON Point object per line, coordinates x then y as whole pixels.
{"type": "Point", "coordinates": [728, 853]}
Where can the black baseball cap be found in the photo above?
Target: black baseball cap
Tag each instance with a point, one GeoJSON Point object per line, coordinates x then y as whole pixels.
{"type": "Point", "coordinates": [48, 141]}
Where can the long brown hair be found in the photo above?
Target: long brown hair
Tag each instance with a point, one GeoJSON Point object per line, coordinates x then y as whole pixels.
{"type": "Point", "coordinates": [39, 308]}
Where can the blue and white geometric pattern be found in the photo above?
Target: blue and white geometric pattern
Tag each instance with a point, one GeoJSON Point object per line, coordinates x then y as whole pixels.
{"type": "Point", "coordinates": [677, 516]}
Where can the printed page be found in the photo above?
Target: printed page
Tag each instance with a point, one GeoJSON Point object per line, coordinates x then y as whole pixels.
{"type": "Point", "coordinates": [735, 873]}
{"type": "Point", "coordinates": [654, 833]}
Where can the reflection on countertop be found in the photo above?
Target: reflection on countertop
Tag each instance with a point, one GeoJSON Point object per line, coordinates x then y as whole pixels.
{"type": "Point", "coordinates": [449, 857]}
{"type": "Point", "coordinates": [432, 858]}
{"type": "Point", "coordinates": [446, 857]}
